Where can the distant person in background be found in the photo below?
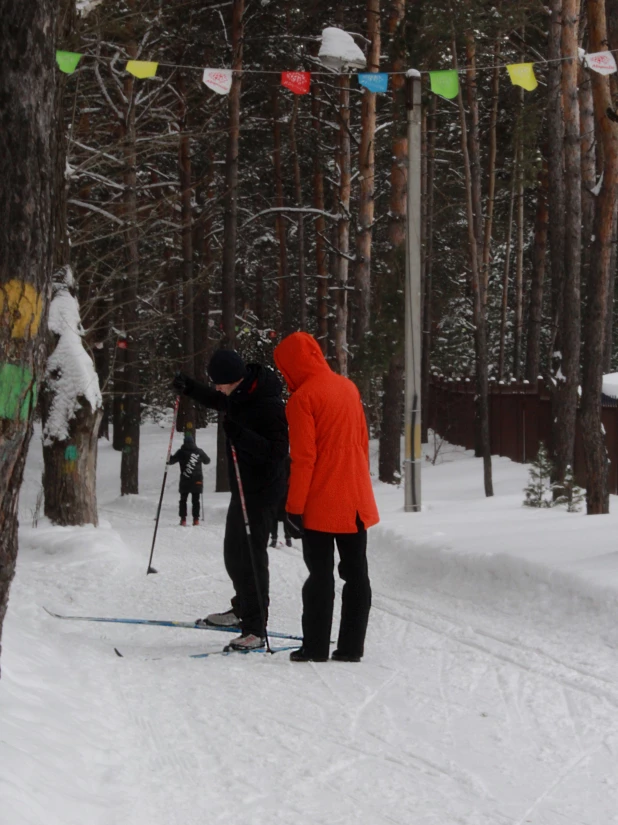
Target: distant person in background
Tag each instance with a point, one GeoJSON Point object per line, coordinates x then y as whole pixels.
{"type": "Point", "coordinates": [330, 497]}
{"type": "Point", "coordinates": [191, 482]}
{"type": "Point", "coordinates": [281, 514]}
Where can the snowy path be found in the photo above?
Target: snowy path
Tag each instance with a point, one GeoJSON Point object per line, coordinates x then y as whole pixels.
{"type": "Point", "coordinates": [466, 711]}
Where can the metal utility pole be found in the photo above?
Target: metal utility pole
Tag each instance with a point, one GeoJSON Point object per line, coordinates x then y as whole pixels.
{"type": "Point", "coordinates": [412, 463]}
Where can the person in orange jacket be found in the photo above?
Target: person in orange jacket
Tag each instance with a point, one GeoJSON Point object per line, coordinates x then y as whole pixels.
{"type": "Point", "coordinates": [330, 498]}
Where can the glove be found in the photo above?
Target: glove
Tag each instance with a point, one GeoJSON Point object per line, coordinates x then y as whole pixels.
{"type": "Point", "coordinates": [182, 383]}
{"type": "Point", "coordinates": [295, 525]}
{"type": "Point", "coordinates": [233, 430]}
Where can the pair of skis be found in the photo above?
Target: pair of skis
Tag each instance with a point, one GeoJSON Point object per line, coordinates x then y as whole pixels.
{"type": "Point", "coordinates": [188, 625]}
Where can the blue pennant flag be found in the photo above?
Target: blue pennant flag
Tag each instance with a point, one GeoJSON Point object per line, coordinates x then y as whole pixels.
{"type": "Point", "coordinates": [374, 81]}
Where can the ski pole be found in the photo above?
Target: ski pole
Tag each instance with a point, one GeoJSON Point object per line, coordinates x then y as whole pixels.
{"type": "Point", "coordinates": [250, 543]}
{"type": "Point", "coordinates": [167, 464]}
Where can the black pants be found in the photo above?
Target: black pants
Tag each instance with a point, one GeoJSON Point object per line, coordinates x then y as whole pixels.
{"type": "Point", "coordinates": [275, 529]}
{"type": "Point", "coordinates": [195, 491]}
{"type": "Point", "coordinates": [238, 563]}
{"type": "Point", "coordinates": [319, 591]}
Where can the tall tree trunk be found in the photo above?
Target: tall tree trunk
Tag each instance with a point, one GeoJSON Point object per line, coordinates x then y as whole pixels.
{"type": "Point", "coordinates": [491, 170]}
{"type": "Point", "coordinates": [366, 164]}
{"type": "Point", "coordinates": [69, 446]}
{"type": "Point", "coordinates": [519, 250]}
{"type": "Point", "coordinates": [507, 266]}
{"type": "Point", "coordinates": [129, 465]}
{"type": "Point", "coordinates": [533, 350]}
{"type": "Point", "coordinates": [230, 202]}
{"type": "Point", "coordinates": [298, 193]}
{"type": "Point", "coordinates": [230, 220]}
{"type": "Point", "coordinates": [567, 382]}
{"type": "Point", "coordinates": [343, 226]}
{"type": "Point", "coordinates": [283, 289]}
{"type": "Point", "coordinates": [321, 253]}
{"type": "Point", "coordinates": [428, 267]}
{"type": "Point", "coordinates": [471, 158]}
{"type": "Point", "coordinates": [389, 465]}
{"type": "Point", "coordinates": [589, 166]}
{"type": "Point", "coordinates": [186, 413]}
{"type": "Point", "coordinates": [555, 161]}
{"type": "Point", "coordinates": [27, 157]}
{"type": "Point", "coordinates": [597, 493]}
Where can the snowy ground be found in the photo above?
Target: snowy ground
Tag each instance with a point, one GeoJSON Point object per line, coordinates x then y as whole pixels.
{"type": "Point", "coordinates": [488, 694]}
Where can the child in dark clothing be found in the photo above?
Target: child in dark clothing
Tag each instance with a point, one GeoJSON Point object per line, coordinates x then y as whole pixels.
{"type": "Point", "coordinates": [190, 459]}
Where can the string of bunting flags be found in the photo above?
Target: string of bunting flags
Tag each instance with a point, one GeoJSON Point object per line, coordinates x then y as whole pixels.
{"type": "Point", "coordinates": [444, 83]}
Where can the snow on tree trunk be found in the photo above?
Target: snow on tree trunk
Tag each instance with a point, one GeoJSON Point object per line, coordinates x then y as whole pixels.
{"type": "Point", "coordinates": [72, 411]}
{"type": "Point", "coordinates": [27, 143]}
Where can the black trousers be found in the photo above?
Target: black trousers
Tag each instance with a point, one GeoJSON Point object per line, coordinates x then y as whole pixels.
{"type": "Point", "coordinates": [195, 491]}
{"type": "Point", "coordinates": [319, 591]}
{"type": "Point", "coordinates": [275, 528]}
{"type": "Point", "coordinates": [238, 563]}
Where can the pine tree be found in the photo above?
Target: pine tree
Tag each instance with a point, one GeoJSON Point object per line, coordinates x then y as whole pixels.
{"type": "Point", "coordinates": [570, 494]}
{"type": "Point", "coordinates": [538, 492]}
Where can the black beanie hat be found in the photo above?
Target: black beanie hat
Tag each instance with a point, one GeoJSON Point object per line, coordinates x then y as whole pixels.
{"type": "Point", "coordinates": [226, 367]}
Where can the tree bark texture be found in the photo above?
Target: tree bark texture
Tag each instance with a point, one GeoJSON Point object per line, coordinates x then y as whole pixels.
{"type": "Point", "coordinates": [366, 165]}
{"type": "Point", "coordinates": [535, 311]}
{"type": "Point", "coordinates": [321, 253]}
{"type": "Point", "coordinates": [129, 465]}
{"type": "Point", "coordinates": [428, 266]}
{"type": "Point", "coordinates": [389, 464]}
{"type": "Point", "coordinates": [343, 226]}
{"type": "Point", "coordinates": [70, 465]}
{"type": "Point", "coordinates": [475, 239]}
{"type": "Point", "coordinates": [567, 382]}
{"type": "Point", "coordinates": [186, 412]}
{"type": "Point", "coordinates": [519, 250]}
{"type": "Point", "coordinates": [27, 143]}
{"type": "Point", "coordinates": [230, 203]}
{"type": "Point", "coordinates": [555, 161]}
{"type": "Point", "coordinates": [507, 268]}
{"type": "Point", "coordinates": [283, 288]}
{"type": "Point", "coordinates": [298, 193]}
{"type": "Point", "coordinates": [597, 495]}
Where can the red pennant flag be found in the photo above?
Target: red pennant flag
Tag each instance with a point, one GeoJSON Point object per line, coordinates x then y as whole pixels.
{"type": "Point", "coordinates": [297, 82]}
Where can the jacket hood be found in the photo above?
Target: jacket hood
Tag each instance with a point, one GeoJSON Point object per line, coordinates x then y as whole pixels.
{"type": "Point", "coordinates": [299, 357]}
{"type": "Point", "coordinates": [260, 382]}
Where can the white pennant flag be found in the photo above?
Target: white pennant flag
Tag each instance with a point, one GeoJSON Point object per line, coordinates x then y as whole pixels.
{"type": "Point", "coordinates": [602, 62]}
{"type": "Point", "coordinates": [219, 80]}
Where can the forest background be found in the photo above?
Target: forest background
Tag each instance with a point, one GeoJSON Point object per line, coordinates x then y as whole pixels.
{"type": "Point", "coordinates": [181, 220]}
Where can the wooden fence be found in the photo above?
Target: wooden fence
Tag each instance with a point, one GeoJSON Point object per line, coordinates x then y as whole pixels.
{"type": "Point", "coordinates": [519, 418]}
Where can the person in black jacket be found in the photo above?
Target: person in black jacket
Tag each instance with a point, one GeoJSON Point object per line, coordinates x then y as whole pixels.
{"type": "Point", "coordinates": [255, 423]}
{"type": "Point", "coordinates": [191, 481]}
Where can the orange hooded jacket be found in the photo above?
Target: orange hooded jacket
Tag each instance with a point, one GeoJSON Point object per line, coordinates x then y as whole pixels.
{"type": "Point", "coordinates": [329, 480]}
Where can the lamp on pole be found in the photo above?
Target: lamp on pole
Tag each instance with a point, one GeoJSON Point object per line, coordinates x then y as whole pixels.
{"type": "Point", "coordinates": [412, 429]}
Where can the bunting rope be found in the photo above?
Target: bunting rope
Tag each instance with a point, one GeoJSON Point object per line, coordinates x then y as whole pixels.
{"type": "Point", "coordinates": [443, 82]}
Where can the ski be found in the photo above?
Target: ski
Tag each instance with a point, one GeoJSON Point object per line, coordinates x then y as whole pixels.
{"type": "Point", "coordinates": [225, 652]}
{"type": "Point", "coordinates": [166, 623]}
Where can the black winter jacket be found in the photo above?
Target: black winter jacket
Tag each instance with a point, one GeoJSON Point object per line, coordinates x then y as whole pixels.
{"type": "Point", "coordinates": [262, 444]}
{"type": "Point", "coordinates": [190, 459]}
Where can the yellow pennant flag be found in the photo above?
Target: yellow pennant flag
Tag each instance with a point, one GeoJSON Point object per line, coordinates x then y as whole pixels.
{"type": "Point", "coordinates": [139, 68]}
{"type": "Point", "coordinates": [522, 74]}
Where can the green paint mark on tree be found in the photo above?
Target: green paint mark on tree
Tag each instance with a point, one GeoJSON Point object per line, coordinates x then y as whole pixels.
{"type": "Point", "coordinates": [70, 454]}
{"type": "Point", "coordinates": [17, 391]}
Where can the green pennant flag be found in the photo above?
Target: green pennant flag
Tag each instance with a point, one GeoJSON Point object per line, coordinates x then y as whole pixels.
{"type": "Point", "coordinates": [445, 83]}
{"type": "Point", "coordinates": [67, 61]}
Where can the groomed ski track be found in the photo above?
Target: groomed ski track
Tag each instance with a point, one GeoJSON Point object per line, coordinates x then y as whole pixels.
{"type": "Point", "coordinates": [484, 698]}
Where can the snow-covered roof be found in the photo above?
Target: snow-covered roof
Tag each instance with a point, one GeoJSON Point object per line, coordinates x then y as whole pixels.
{"type": "Point", "coordinates": [610, 385]}
{"type": "Point", "coordinates": [339, 51]}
